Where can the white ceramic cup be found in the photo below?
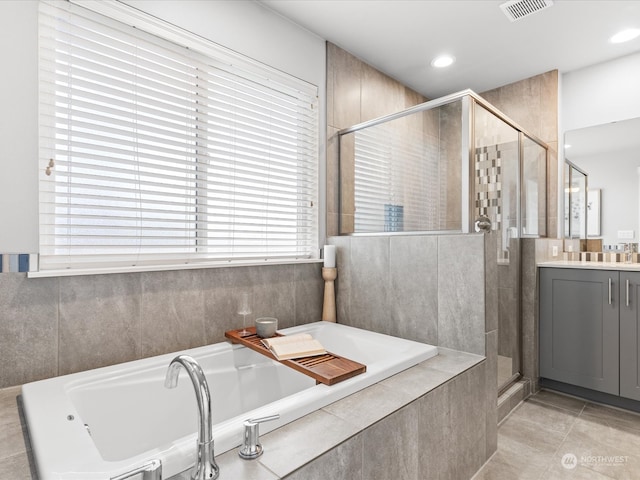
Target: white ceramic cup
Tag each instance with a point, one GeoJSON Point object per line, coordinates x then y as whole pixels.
{"type": "Point", "coordinates": [266, 326]}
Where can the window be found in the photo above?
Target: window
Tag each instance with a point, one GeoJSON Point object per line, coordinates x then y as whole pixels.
{"type": "Point", "coordinates": [164, 154]}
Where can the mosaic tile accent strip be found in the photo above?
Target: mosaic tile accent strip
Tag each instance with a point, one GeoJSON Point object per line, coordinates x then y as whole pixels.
{"type": "Point", "coordinates": [488, 174]}
{"type": "Point", "coordinates": [10, 262]}
{"type": "Point", "coordinates": [607, 257]}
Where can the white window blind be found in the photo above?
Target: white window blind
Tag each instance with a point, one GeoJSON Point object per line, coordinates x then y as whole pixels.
{"type": "Point", "coordinates": [164, 154]}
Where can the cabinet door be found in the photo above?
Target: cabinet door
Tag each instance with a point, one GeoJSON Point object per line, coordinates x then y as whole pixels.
{"type": "Point", "coordinates": [629, 331]}
{"type": "Point", "coordinates": [579, 328]}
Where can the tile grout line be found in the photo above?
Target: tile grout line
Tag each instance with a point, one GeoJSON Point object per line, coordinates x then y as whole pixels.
{"type": "Point", "coordinates": [551, 466]}
{"type": "Point", "coordinates": [609, 426]}
{"type": "Point", "coordinates": [543, 472]}
{"type": "Point", "coordinates": [564, 438]}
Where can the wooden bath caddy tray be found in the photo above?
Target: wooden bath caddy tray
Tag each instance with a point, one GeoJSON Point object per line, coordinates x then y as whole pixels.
{"type": "Point", "coordinates": [328, 368]}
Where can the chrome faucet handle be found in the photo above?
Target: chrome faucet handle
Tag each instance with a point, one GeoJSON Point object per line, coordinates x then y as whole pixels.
{"type": "Point", "coordinates": [251, 447]}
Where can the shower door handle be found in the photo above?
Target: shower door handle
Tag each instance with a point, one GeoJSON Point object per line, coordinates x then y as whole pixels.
{"type": "Point", "coordinates": [483, 224]}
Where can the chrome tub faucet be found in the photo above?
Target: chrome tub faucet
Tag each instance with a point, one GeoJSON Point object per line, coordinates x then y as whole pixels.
{"type": "Point", "coordinates": [206, 467]}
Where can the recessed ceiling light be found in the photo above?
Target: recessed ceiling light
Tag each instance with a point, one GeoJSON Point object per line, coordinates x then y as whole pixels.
{"type": "Point", "coordinates": [442, 61]}
{"type": "Point", "coordinates": [567, 145]}
{"type": "Point", "coordinates": [625, 35]}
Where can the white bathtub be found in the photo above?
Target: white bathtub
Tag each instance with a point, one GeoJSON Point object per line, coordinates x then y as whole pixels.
{"type": "Point", "coordinates": [132, 418]}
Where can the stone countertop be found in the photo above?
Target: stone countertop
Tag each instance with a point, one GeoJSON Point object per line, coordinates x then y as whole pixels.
{"type": "Point", "coordinates": [632, 267]}
{"type": "Point", "coordinates": [287, 448]}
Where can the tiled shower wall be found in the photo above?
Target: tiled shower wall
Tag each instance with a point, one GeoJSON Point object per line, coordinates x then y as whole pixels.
{"type": "Point", "coordinates": [56, 326]}
{"type": "Point", "coordinates": [533, 104]}
{"type": "Point", "coordinates": [509, 306]}
{"type": "Point", "coordinates": [534, 250]}
{"type": "Point", "coordinates": [488, 184]}
{"type": "Point", "coordinates": [356, 92]}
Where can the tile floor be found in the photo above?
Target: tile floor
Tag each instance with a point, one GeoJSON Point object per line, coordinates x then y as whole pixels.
{"type": "Point", "coordinates": [551, 436]}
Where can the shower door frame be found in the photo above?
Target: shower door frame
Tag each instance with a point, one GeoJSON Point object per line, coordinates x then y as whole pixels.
{"type": "Point", "coordinates": [469, 99]}
{"type": "Point", "coordinates": [522, 135]}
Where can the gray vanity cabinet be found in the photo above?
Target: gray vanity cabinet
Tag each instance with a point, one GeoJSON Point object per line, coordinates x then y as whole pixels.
{"type": "Point", "coordinates": [629, 335]}
{"type": "Point", "coordinates": [579, 327]}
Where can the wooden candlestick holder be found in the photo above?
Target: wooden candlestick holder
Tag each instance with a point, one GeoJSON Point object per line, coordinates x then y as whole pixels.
{"type": "Point", "coordinates": [329, 303]}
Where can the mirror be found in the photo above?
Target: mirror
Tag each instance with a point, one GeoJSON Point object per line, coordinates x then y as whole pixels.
{"type": "Point", "coordinates": [575, 198]}
{"type": "Point", "coordinates": [610, 154]}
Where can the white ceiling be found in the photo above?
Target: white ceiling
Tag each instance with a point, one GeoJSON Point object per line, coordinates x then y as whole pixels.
{"type": "Point", "coordinates": [401, 37]}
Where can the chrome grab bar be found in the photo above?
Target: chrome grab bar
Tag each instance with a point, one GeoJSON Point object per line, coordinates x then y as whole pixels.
{"type": "Point", "coordinates": [149, 471]}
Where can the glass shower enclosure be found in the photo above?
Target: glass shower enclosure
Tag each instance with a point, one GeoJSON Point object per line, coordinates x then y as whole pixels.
{"type": "Point", "coordinates": [454, 164]}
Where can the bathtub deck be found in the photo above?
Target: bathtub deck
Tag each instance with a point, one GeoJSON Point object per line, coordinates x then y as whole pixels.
{"type": "Point", "coordinates": [283, 454]}
{"type": "Point", "coordinates": [328, 369]}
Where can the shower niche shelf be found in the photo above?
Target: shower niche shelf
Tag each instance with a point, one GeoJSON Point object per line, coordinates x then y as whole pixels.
{"type": "Point", "coordinates": [328, 369]}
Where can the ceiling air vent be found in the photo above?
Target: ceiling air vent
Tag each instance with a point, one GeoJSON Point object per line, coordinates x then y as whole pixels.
{"type": "Point", "coordinates": [518, 9]}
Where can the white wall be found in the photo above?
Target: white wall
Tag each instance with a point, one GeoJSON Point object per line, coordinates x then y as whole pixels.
{"type": "Point", "coordinates": [19, 126]}
{"type": "Point", "coordinates": [601, 93]}
{"type": "Point", "coordinates": [615, 173]}
{"type": "Point", "coordinates": [244, 26]}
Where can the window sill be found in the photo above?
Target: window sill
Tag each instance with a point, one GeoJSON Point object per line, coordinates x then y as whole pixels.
{"type": "Point", "coordinates": [159, 268]}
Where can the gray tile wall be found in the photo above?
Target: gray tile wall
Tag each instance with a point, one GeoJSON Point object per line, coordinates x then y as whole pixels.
{"type": "Point", "coordinates": [56, 326]}
{"type": "Point", "coordinates": [426, 288]}
{"type": "Point", "coordinates": [509, 307]}
{"type": "Point", "coordinates": [533, 251]}
{"type": "Point", "coordinates": [461, 296]}
{"type": "Point", "coordinates": [440, 435]}
{"type": "Point", "coordinates": [491, 339]}
{"type": "Point", "coordinates": [533, 103]}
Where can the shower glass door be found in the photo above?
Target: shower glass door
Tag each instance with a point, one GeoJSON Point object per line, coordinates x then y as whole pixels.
{"type": "Point", "coordinates": [497, 196]}
{"type": "Point", "coordinates": [534, 188]}
{"type": "Point", "coordinates": [440, 166]}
